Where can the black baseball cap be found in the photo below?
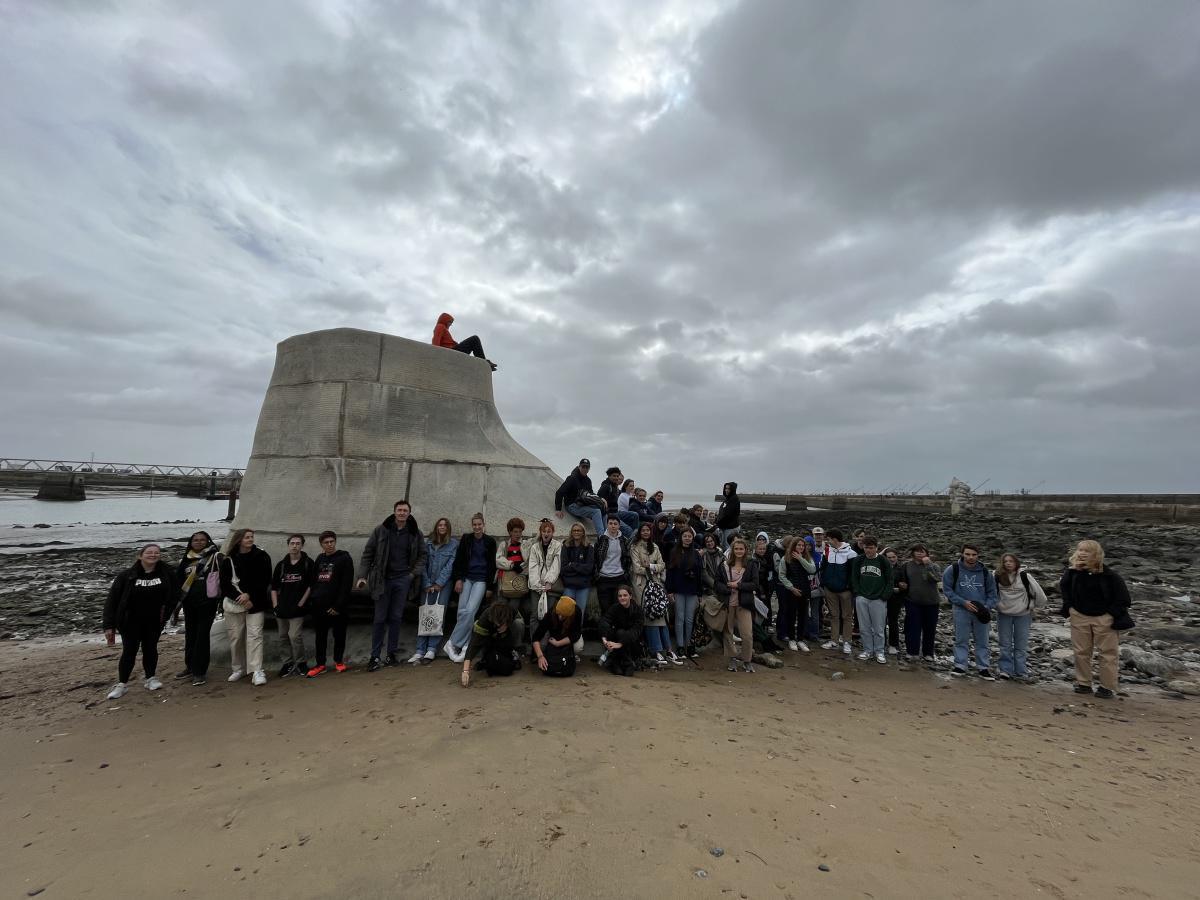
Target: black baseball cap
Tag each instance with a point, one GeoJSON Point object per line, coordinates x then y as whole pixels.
{"type": "Point", "coordinates": [586, 462]}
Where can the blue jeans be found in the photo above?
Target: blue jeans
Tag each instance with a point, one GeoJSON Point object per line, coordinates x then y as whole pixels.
{"type": "Point", "coordinates": [630, 522]}
{"type": "Point", "coordinates": [685, 618]}
{"type": "Point", "coordinates": [658, 639]}
{"type": "Point", "coordinates": [580, 596]}
{"type": "Point", "coordinates": [389, 607]}
{"type": "Point", "coordinates": [812, 625]}
{"type": "Point", "coordinates": [588, 514]}
{"type": "Point", "coordinates": [872, 621]}
{"type": "Point", "coordinates": [1014, 643]}
{"type": "Point", "coordinates": [431, 642]}
{"type": "Point", "coordinates": [468, 606]}
{"type": "Point", "coordinates": [966, 625]}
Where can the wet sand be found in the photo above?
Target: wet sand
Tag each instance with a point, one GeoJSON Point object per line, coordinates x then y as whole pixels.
{"type": "Point", "coordinates": [402, 783]}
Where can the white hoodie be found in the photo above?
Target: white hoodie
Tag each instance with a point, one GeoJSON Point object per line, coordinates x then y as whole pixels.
{"type": "Point", "coordinates": [1014, 601]}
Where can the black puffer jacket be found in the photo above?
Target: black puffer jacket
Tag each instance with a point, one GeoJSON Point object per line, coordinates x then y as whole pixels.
{"type": "Point", "coordinates": [1094, 593]}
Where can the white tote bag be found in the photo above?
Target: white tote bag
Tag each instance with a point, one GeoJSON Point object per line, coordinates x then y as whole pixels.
{"type": "Point", "coordinates": [543, 606]}
{"type": "Point", "coordinates": [430, 618]}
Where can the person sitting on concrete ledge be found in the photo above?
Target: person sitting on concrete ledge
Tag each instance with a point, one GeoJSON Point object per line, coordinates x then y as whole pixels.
{"type": "Point", "coordinates": [471, 345]}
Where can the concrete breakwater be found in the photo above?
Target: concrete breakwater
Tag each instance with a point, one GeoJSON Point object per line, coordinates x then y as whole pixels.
{"type": "Point", "coordinates": [1139, 507]}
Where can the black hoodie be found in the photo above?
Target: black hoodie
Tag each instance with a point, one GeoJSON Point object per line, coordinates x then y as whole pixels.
{"type": "Point", "coordinates": [333, 580]}
{"type": "Point", "coordinates": [573, 485]}
{"type": "Point", "coordinates": [730, 513]}
{"type": "Point", "coordinates": [137, 596]}
{"type": "Point", "coordinates": [290, 581]}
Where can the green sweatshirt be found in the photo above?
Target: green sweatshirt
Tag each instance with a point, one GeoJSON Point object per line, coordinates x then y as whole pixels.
{"type": "Point", "coordinates": [871, 578]}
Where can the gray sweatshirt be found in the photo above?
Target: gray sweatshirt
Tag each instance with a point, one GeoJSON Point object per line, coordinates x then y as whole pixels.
{"type": "Point", "coordinates": [923, 581]}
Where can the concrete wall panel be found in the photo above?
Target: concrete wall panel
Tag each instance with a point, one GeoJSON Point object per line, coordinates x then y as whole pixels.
{"type": "Point", "coordinates": [339, 354]}
{"type": "Point", "coordinates": [299, 420]}
{"type": "Point", "coordinates": [424, 367]}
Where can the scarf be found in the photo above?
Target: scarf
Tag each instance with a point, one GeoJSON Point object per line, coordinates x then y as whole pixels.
{"type": "Point", "coordinates": [195, 566]}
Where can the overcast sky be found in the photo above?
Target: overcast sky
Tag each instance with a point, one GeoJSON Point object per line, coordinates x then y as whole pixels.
{"type": "Point", "coordinates": [799, 245]}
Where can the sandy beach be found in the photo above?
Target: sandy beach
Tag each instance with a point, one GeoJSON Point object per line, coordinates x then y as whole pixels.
{"type": "Point", "coordinates": [682, 783]}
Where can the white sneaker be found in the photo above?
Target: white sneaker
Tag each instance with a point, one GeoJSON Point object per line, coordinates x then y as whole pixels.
{"type": "Point", "coordinates": [459, 655]}
{"type": "Point", "coordinates": [416, 658]}
{"type": "Point", "coordinates": [829, 645]}
{"type": "Point", "coordinates": [892, 651]}
{"type": "Point", "coordinates": [259, 679]}
{"type": "Point", "coordinates": [737, 638]}
{"type": "Point", "coordinates": [118, 691]}
{"type": "Point", "coordinates": [603, 658]}
{"type": "Point", "coordinates": [430, 654]}
{"type": "Point", "coordinates": [865, 655]}
{"type": "Point", "coordinates": [792, 646]}
{"type": "Point", "coordinates": [803, 647]}
{"type": "Point", "coordinates": [881, 659]}
{"type": "Point", "coordinates": [153, 684]}
{"type": "Point", "coordinates": [448, 649]}
{"type": "Point", "coordinates": [237, 675]}
{"type": "Point", "coordinates": [579, 646]}
{"type": "Point", "coordinates": [846, 648]}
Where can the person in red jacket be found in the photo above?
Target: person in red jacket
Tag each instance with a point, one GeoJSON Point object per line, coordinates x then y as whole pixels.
{"type": "Point", "coordinates": [471, 345]}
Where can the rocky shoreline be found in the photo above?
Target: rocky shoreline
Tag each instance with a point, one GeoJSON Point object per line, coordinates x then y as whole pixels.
{"type": "Point", "coordinates": [59, 591]}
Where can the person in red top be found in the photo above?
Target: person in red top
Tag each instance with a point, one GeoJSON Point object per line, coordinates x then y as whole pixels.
{"type": "Point", "coordinates": [471, 345]}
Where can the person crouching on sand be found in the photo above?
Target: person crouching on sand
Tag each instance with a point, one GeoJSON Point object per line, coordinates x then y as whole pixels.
{"type": "Point", "coordinates": [139, 602]}
{"type": "Point", "coordinates": [491, 639]}
{"type": "Point", "coordinates": [621, 632]}
{"type": "Point", "coordinates": [554, 639]}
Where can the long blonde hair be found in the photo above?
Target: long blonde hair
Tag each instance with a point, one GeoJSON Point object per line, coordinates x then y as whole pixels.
{"type": "Point", "coordinates": [1097, 556]}
{"type": "Point", "coordinates": [730, 558]}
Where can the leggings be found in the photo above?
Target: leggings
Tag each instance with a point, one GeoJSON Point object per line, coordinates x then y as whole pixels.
{"type": "Point", "coordinates": [136, 634]}
{"type": "Point", "coordinates": [198, 620]}
{"type": "Point", "coordinates": [894, 605]}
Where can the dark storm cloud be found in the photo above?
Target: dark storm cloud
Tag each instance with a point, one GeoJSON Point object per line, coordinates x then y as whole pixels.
{"type": "Point", "coordinates": [924, 239]}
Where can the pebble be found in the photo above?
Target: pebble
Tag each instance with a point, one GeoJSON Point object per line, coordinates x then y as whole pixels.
{"type": "Point", "coordinates": [700, 873]}
{"type": "Point", "coordinates": [823, 867]}
{"type": "Point", "coordinates": [837, 676]}
{"type": "Point", "coordinates": [717, 852]}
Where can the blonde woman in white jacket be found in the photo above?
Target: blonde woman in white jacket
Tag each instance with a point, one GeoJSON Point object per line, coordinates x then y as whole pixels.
{"type": "Point", "coordinates": [1019, 595]}
{"type": "Point", "coordinates": [543, 562]}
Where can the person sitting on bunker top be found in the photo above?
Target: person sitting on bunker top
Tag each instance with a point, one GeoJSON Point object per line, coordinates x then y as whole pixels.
{"type": "Point", "coordinates": [580, 499]}
{"type": "Point", "coordinates": [471, 345]}
{"type": "Point", "coordinates": [492, 638]}
{"type": "Point", "coordinates": [390, 568]}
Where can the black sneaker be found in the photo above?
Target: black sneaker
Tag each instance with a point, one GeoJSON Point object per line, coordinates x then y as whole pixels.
{"type": "Point", "coordinates": [986, 675]}
{"type": "Point", "coordinates": [391, 660]}
{"type": "Point", "coordinates": [186, 673]}
{"type": "Point", "coordinates": [1083, 688]}
{"type": "Point", "coordinates": [286, 669]}
{"type": "Point", "coordinates": [373, 664]}
{"type": "Point", "coordinates": [958, 673]}
{"type": "Point", "coordinates": [1004, 676]}
{"type": "Point", "coordinates": [1104, 693]}
{"type": "Point", "coordinates": [198, 680]}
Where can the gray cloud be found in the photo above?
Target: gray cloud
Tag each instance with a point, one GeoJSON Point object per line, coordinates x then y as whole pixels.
{"type": "Point", "coordinates": [892, 242]}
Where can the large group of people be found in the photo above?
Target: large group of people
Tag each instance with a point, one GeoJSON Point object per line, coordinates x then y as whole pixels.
{"type": "Point", "coordinates": [666, 590]}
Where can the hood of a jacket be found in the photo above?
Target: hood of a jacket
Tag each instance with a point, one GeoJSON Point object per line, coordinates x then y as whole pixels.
{"type": "Point", "coordinates": [411, 526]}
{"type": "Point", "coordinates": [839, 555]}
{"type": "Point", "coordinates": [764, 536]}
{"type": "Point", "coordinates": [732, 485]}
{"type": "Point", "coordinates": [445, 319]}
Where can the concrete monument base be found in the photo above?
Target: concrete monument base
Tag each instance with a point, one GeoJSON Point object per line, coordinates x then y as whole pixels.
{"type": "Point", "coordinates": [355, 420]}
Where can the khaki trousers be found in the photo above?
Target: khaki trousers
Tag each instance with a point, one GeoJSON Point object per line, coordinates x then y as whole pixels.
{"type": "Point", "coordinates": [1090, 633]}
{"type": "Point", "coordinates": [745, 627]}
{"type": "Point", "coordinates": [245, 640]}
{"type": "Point", "coordinates": [841, 615]}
